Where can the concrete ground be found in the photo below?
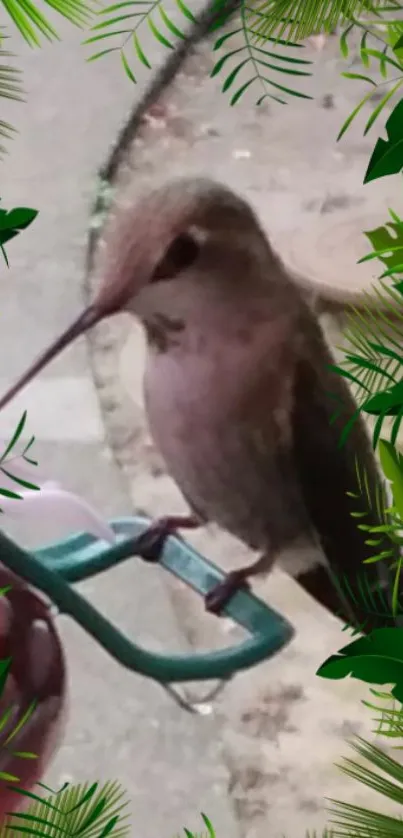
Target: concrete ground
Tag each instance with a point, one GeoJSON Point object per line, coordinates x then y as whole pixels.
{"type": "Point", "coordinates": [120, 726]}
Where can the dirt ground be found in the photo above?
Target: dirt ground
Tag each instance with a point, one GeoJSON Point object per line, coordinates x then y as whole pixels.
{"type": "Point", "coordinates": [282, 728]}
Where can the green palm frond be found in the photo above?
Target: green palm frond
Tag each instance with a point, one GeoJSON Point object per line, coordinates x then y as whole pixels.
{"type": "Point", "coordinates": [386, 540]}
{"type": "Point", "coordinates": [123, 20]}
{"type": "Point", "coordinates": [9, 454]}
{"type": "Point", "coordinates": [33, 23]}
{"type": "Point", "coordinates": [210, 831]}
{"type": "Point", "coordinates": [373, 357]}
{"type": "Point", "coordinates": [9, 725]}
{"type": "Point", "coordinates": [268, 59]}
{"type": "Point", "coordinates": [366, 598]}
{"type": "Point", "coordinates": [10, 87]}
{"type": "Point", "coordinates": [390, 719]}
{"type": "Point", "coordinates": [375, 87]}
{"type": "Point", "coordinates": [387, 243]}
{"type": "Point", "coordinates": [384, 537]}
{"type": "Point", "coordinates": [382, 774]}
{"type": "Point", "coordinates": [298, 19]}
{"type": "Point", "coordinates": [81, 810]}
{"type": "Point", "coordinates": [377, 53]}
{"type": "Point", "coordinates": [12, 222]}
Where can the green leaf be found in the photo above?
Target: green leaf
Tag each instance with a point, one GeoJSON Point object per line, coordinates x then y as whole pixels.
{"type": "Point", "coordinates": [343, 41]}
{"type": "Point", "coordinates": [220, 63]}
{"type": "Point", "coordinates": [381, 105]}
{"type": "Point", "coordinates": [359, 77]}
{"type": "Point", "coordinates": [375, 659]}
{"type": "Point", "coordinates": [392, 465]}
{"type": "Point", "coordinates": [31, 22]}
{"type": "Point", "coordinates": [157, 34]}
{"type": "Point", "coordinates": [9, 778]}
{"type": "Point", "coordinates": [6, 493]}
{"type": "Point", "coordinates": [22, 721]}
{"type": "Point", "coordinates": [384, 58]}
{"type": "Point", "coordinates": [233, 74]}
{"type": "Point", "coordinates": [100, 54]}
{"type": "Point", "coordinates": [353, 821]}
{"type": "Point", "coordinates": [24, 483]}
{"type": "Point", "coordinates": [185, 11]}
{"type": "Point", "coordinates": [16, 435]}
{"type": "Point", "coordinates": [127, 68]}
{"type": "Point", "coordinates": [13, 221]}
{"type": "Point", "coordinates": [388, 402]}
{"type": "Point", "coordinates": [169, 24]}
{"type": "Point", "coordinates": [398, 44]}
{"type": "Point", "coordinates": [363, 51]}
{"type": "Point", "coordinates": [73, 812]}
{"type": "Point", "coordinates": [353, 114]}
{"type": "Point", "coordinates": [209, 826]}
{"type": "Point", "coordinates": [139, 52]}
{"type": "Point", "coordinates": [220, 41]}
{"type": "Point", "coordinates": [256, 58]}
{"type": "Point", "coordinates": [388, 248]}
{"type": "Point", "coordinates": [241, 90]}
{"type": "Point", "coordinates": [387, 157]}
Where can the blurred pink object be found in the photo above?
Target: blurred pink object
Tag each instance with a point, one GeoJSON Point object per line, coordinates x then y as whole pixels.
{"type": "Point", "coordinates": [318, 41]}
{"type": "Point", "coordinates": [69, 512]}
{"type": "Point", "coordinates": [37, 674]}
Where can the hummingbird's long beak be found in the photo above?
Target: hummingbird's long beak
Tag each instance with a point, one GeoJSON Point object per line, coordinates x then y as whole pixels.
{"type": "Point", "coordinates": [88, 318]}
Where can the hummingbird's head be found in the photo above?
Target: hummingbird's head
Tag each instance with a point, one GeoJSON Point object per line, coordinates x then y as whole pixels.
{"type": "Point", "coordinates": [189, 238]}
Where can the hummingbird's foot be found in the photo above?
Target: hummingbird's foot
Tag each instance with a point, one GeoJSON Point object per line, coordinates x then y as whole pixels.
{"type": "Point", "coordinates": [150, 543]}
{"type": "Point", "coordinates": [220, 595]}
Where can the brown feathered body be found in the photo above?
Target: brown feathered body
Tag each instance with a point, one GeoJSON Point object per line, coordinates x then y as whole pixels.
{"type": "Point", "coordinates": [238, 383]}
{"type": "Point", "coordinates": [238, 386]}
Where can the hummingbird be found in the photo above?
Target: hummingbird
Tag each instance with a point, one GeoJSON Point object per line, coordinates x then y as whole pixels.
{"type": "Point", "coordinates": [236, 382]}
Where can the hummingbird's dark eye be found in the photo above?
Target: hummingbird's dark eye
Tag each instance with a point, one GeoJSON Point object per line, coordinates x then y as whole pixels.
{"type": "Point", "coordinates": [181, 254]}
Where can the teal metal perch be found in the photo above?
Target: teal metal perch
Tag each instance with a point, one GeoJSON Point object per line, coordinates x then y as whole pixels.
{"type": "Point", "coordinates": [53, 569]}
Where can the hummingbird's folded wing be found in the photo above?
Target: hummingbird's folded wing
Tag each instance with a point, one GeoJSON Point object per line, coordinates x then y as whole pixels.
{"type": "Point", "coordinates": [327, 473]}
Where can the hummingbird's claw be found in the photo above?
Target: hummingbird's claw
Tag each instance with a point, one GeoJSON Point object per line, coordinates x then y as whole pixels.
{"type": "Point", "coordinates": [150, 543]}
{"type": "Point", "coordinates": [216, 599]}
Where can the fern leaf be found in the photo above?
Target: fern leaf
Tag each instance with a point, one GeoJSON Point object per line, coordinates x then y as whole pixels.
{"type": "Point", "coordinates": [379, 108]}
{"type": "Point", "coordinates": [258, 56]}
{"type": "Point", "coordinates": [158, 35]}
{"type": "Point", "coordinates": [138, 13]}
{"type": "Point", "coordinates": [126, 67]}
{"type": "Point", "coordinates": [302, 18]}
{"type": "Point", "coordinates": [139, 52]}
{"type": "Point", "coordinates": [10, 88]}
{"type": "Point", "coordinates": [355, 111]}
{"type": "Point", "coordinates": [390, 721]}
{"type": "Point", "coordinates": [381, 58]}
{"type": "Point", "coordinates": [169, 24]}
{"type": "Point", "coordinates": [185, 11]}
{"type": "Point", "coordinates": [372, 349]}
{"type": "Point", "coordinates": [380, 773]}
{"type": "Point", "coordinates": [75, 810]}
{"type": "Point", "coordinates": [343, 41]}
{"type": "Point", "coordinates": [373, 503]}
{"type": "Point", "coordinates": [32, 23]}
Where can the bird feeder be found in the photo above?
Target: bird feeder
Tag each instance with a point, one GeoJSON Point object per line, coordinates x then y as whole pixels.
{"type": "Point", "coordinates": [35, 678]}
{"type": "Point", "coordinates": [53, 569]}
